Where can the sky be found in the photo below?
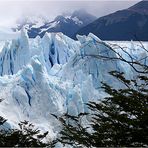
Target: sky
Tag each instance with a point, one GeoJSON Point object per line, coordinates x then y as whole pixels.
{"type": "Point", "coordinates": [12, 10]}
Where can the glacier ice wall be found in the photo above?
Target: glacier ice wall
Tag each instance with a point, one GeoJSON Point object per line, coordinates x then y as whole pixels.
{"type": "Point", "coordinates": [54, 74]}
{"type": "Point", "coordinates": [54, 48]}
{"type": "Point", "coordinates": [14, 55]}
{"type": "Point", "coordinates": [96, 59]}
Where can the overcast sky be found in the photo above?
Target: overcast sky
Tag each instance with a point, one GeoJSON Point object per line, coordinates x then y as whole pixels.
{"type": "Point", "coordinates": [11, 10]}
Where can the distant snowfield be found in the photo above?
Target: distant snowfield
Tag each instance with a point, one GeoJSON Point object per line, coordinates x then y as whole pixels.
{"type": "Point", "coordinates": [128, 43]}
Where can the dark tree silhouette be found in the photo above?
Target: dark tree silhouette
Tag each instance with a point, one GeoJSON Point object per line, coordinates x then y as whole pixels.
{"type": "Point", "coordinates": [26, 136]}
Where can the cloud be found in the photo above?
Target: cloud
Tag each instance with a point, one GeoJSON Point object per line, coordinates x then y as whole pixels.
{"type": "Point", "coordinates": [11, 10]}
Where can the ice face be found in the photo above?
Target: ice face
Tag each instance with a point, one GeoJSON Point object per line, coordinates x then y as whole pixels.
{"type": "Point", "coordinates": [95, 59]}
{"type": "Point", "coordinates": [15, 55]}
{"type": "Point", "coordinates": [29, 91]}
{"type": "Point", "coordinates": [54, 48]}
{"type": "Point", "coordinates": [57, 49]}
{"type": "Point", "coordinates": [55, 74]}
{"type": "Point", "coordinates": [32, 94]}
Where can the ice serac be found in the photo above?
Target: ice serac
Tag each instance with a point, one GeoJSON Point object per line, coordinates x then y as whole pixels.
{"type": "Point", "coordinates": [58, 48]}
{"type": "Point", "coordinates": [54, 48]}
{"type": "Point", "coordinates": [95, 59]}
{"type": "Point", "coordinates": [32, 94]}
{"type": "Point", "coordinates": [15, 55]}
{"type": "Point", "coordinates": [133, 51]}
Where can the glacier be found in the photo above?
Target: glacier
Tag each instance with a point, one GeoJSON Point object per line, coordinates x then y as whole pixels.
{"type": "Point", "coordinates": [55, 75]}
{"type": "Point", "coordinates": [17, 53]}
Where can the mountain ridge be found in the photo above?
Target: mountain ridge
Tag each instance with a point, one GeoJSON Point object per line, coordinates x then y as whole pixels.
{"type": "Point", "coordinates": [127, 24]}
{"type": "Point", "coordinates": [67, 24]}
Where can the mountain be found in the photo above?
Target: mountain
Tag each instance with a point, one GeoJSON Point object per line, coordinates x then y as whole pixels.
{"type": "Point", "coordinates": [68, 24]}
{"type": "Point", "coordinates": [128, 24]}
{"type": "Point", "coordinates": [140, 7]}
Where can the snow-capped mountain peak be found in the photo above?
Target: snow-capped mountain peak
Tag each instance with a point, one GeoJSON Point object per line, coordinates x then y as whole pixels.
{"type": "Point", "coordinates": [69, 24]}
